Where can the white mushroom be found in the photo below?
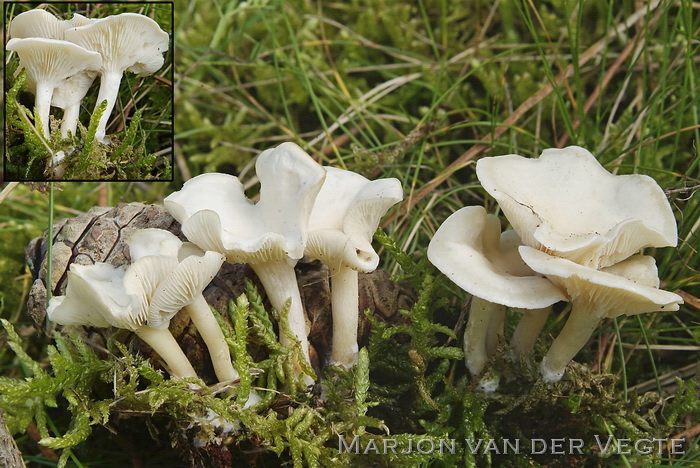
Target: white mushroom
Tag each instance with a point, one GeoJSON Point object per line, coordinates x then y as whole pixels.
{"type": "Point", "coordinates": [183, 289]}
{"type": "Point", "coordinates": [629, 287]}
{"type": "Point", "coordinates": [471, 251]}
{"type": "Point", "coordinates": [270, 235]}
{"type": "Point", "coordinates": [49, 63]}
{"type": "Point", "coordinates": [127, 42]}
{"type": "Point", "coordinates": [343, 220]}
{"type": "Point", "coordinates": [565, 203]}
{"type": "Point", "coordinates": [102, 295]}
{"type": "Point", "coordinates": [69, 94]}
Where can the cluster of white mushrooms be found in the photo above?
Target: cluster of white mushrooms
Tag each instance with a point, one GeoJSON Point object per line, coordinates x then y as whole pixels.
{"type": "Point", "coordinates": [63, 57]}
{"type": "Point", "coordinates": [303, 209]}
{"type": "Point", "coordinates": [577, 231]}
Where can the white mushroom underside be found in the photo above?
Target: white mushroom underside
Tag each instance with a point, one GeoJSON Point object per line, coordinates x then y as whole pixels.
{"type": "Point", "coordinates": [466, 248]}
{"type": "Point", "coordinates": [610, 290]}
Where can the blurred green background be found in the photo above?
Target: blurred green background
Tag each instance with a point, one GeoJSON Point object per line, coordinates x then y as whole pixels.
{"type": "Point", "coordinates": [419, 91]}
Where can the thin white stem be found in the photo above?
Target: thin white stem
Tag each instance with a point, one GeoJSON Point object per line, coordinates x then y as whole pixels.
{"type": "Point", "coordinates": [213, 337]}
{"type": "Point", "coordinates": [280, 283]}
{"type": "Point", "coordinates": [582, 322]}
{"type": "Point", "coordinates": [528, 329]}
{"type": "Point", "coordinates": [109, 90]}
{"type": "Point", "coordinates": [475, 335]}
{"type": "Point", "coordinates": [345, 304]}
{"type": "Point", "coordinates": [163, 343]}
{"type": "Point", "coordinates": [70, 120]}
{"type": "Point", "coordinates": [42, 102]}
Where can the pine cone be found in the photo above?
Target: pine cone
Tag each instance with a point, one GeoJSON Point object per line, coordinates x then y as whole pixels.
{"type": "Point", "coordinates": [98, 236]}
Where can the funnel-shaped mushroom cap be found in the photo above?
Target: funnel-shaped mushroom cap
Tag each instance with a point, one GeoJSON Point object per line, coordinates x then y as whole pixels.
{"type": "Point", "coordinates": [345, 216]}
{"type": "Point", "coordinates": [126, 40]}
{"type": "Point", "coordinates": [165, 282]}
{"type": "Point", "coordinates": [96, 296]}
{"type": "Point", "coordinates": [629, 287]}
{"type": "Point", "coordinates": [181, 286]}
{"type": "Point", "coordinates": [470, 250]}
{"type": "Point", "coordinates": [186, 271]}
{"type": "Point", "coordinates": [216, 215]}
{"type": "Point", "coordinates": [153, 242]}
{"type": "Point", "coordinates": [51, 61]}
{"type": "Point", "coordinates": [102, 295]}
{"type": "Point", "coordinates": [37, 23]}
{"type": "Point", "coordinates": [566, 203]}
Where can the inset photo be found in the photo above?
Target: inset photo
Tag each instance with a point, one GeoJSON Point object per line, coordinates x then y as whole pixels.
{"type": "Point", "coordinates": [88, 91]}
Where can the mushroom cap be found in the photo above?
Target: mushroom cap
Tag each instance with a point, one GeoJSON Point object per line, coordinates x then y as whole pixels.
{"type": "Point", "coordinates": [345, 216]}
{"type": "Point", "coordinates": [216, 215]}
{"type": "Point", "coordinates": [142, 280]}
{"type": "Point", "coordinates": [566, 203]}
{"type": "Point", "coordinates": [471, 251]}
{"type": "Point", "coordinates": [167, 274]}
{"type": "Point", "coordinates": [96, 296]}
{"type": "Point", "coordinates": [52, 61]}
{"type": "Point", "coordinates": [41, 23]}
{"type": "Point", "coordinates": [37, 23]}
{"type": "Point", "coordinates": [181, 286]}
{"type": "Point", "coordinates": [150, 291]}
{"type": "Point", "coordinates": [629, 287]}
{"type": "Point", "coordinates": [128, 41]}
{"type": "Point", "coordinates": [153, 242]}
{"type": "Point", "coordinates": [79, 20]}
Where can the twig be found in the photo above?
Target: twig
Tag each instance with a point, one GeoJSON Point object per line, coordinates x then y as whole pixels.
{"type": "Point", "coordinates": [34, 434]}
{"type": "Point", "coordinates": [10, 456]}
{"type": "Point", "coordinates": [6, 191]}
{"type": "Point", "coordinates": [666, 379]}
{"type": "Point", "coordinates": [688, 433]}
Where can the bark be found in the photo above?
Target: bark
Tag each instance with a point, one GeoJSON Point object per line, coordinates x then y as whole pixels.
{"type": "Point", "coordinates": [10, 456]}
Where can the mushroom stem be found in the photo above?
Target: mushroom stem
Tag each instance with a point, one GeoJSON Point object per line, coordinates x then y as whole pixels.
{"type": "Point", "coordinates": [495, 329]}
{"type": "Point", "coordinates": [109, 90]}
{"type": "Point", "coordinates": [481, 312]}
{"type": "Point", "coordinates": [582, 322]}
{"type": "Point", "coordinates": [70, 120]}
{"type": "Point", "coordinates": [345, 304]}
{"type": "Point", "coordinates": [163, 343]}
{"type": "Point", "coordinates": [528, 329]}
{"type": "Point", "coordinates": [57, 164]}
{"type": "Point", "coordinates": [280, 283]}
{"type": "Point", "coordinates": [42, 103]}
{"type": "Point", "coordinates": [213, 337]}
